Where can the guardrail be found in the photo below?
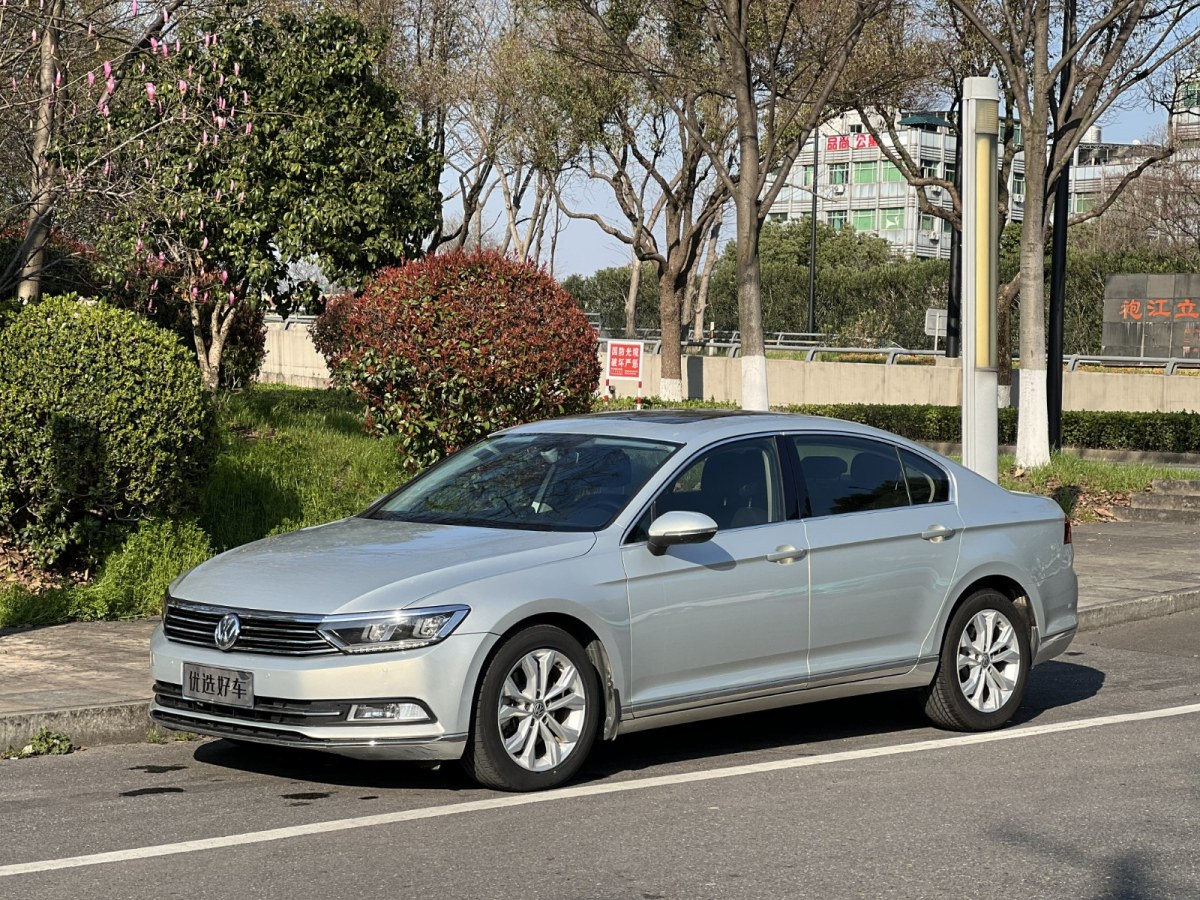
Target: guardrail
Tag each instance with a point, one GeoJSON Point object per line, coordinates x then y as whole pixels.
{"type": "Point", "coordinates": [1169, 364]}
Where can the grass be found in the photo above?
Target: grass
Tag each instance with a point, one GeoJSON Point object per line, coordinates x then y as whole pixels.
{"type": "Point", "coordinates": [290, 457]}
{"type": "Point", "coordinates": [1086, 489]}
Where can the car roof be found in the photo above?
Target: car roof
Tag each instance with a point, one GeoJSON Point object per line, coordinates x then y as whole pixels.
{"type": "Point", "coordinates": [696, 426]}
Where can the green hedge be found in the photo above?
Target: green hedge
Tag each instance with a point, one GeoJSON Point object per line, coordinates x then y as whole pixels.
{"type": "Point", "coordinates": [1156, 432]}
{"type": "Point", "coordinates": [103, 422]}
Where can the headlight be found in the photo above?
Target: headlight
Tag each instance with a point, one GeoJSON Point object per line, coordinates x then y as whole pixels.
{"type": "Point", "coordinates": [402, 630]}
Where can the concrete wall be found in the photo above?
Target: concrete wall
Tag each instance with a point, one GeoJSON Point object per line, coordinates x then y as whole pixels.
{"type": "Point", "coordinates": [292, 359]}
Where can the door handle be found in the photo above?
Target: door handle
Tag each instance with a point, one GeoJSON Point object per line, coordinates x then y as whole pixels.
{"type": "Point", "coordinates": [786, 554]}
{"type": "Point", "coordinates": [937, 533]}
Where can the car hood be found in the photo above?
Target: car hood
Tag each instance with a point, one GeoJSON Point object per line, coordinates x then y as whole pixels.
{"type": "Point", "coordinates": [366, 565]}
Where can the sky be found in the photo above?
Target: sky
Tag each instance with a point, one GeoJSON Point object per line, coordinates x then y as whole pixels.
{"type": "Point", "coordinates": [583, 248]}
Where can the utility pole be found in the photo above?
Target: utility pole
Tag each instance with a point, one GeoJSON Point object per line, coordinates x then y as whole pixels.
{"type": "Point", "coordinates": [1058, 246]}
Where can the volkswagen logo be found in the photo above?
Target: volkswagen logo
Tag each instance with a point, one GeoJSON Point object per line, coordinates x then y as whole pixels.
{"type": "Point", "coordinates": [227, 631]}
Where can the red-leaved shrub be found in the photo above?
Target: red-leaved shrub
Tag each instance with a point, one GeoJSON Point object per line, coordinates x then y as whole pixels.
{"type": "Point", "coordinates": [448, 348]}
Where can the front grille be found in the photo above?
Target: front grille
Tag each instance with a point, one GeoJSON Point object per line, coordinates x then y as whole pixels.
{"type": "Point", "coordinates": [267, 710]}
{"type": "Point", "coordinates": [281, 634]}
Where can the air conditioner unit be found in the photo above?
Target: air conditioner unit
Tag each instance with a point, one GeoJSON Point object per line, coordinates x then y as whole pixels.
{"type": "Point", "coordinates": [934, 236]}
{"type": "Point", "coordinates": [1018, 198]}
{"type": "Point", "coordinates": [839, 189]}
{"type": "Point", "coordinates": [935, 190]}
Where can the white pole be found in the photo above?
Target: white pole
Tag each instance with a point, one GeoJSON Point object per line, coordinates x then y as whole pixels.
{"type": "Point", "coordinates": [980, 276]}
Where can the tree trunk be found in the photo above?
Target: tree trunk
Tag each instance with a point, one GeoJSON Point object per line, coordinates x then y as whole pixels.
{"type": "Point", "coordinates": [41, 204]}
{"type": "Point", "coordinates": [749, 280]}
{"type": "Point", "coordinates": [710, 263]}
{"type": "Point", "coordinates": [635, 280]}
{"type": "Point", "coordinates": [671, 287]}
{"type": "Point", "coordinates": [1033, 433]}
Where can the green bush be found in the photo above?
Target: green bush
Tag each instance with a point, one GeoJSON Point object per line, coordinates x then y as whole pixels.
{"type": "Point", "coordinates": [133, 579]}
{"type": "Point", "coordinates": [449, 348]}
{"type": "Point", "coordinates": [103, 422]}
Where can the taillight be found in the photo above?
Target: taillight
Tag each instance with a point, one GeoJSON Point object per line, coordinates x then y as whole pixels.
{"type": "Point", "coordinates": [1067, 531]}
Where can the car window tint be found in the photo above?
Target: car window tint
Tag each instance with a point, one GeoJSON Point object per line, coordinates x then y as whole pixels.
{"type": "Point", "coordinates": [737, 485]}
{"type": "Point", "coordinates": [844, 474]}
{"type": "Point", "coordinates": [927, 481]}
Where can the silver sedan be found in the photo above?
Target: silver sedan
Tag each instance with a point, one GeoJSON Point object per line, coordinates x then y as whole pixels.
{"type": "Point", "coordinates": [582, 578]}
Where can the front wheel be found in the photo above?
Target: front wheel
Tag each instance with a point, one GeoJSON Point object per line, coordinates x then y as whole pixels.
{"type": "Point", "coordinates": [983, 667]}
{"type": "Point", "coordinates": [536, 712]}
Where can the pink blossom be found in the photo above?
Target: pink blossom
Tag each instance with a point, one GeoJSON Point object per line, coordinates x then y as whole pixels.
{"type": "Point", "coordinates": [217, 196]}
{"type": "Point", "coordinates": [133, 9]}
{"type": "Point", "coordinates": [247, 128]}
{"type": "Point", "coordinates": [140, 245]}
{"type": "Point", "coordinates": [150, 90]}
{"type": "Point", "coordinates": [195, 292]}
{"type": "Point", "coordinates": [153, 45]}
{"type": "Point", "coordinates": [245, 98]}
{"type": "Point", "coordinates": [110, 84]}
{"type": "Point", "coordinates": [107, 68]}
{"type": "Point", "coordinates": [182, 87]}
{"type": "Point", "coordinates": [91, 80]}
{"type": "Point", "coordinates": [242, 197]}
{"type": "Point", "coordinates": [231, 298]}
{"type": "Point", "coordinates": [224, 276]}
{"type": "Point", "coordinates": [154, 285]}
{"type": "Point", "coordinates": [237, 68]}
{"type": "Point", "coordinates": [204, 244]}
{"type": "Point", "coordinates": [220, 121]}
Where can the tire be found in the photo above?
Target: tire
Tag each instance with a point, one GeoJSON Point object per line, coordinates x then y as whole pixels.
{"type": "Point", "coordinates": [983, 667]}
{"type": "Point", "coordinates": [506, 753]}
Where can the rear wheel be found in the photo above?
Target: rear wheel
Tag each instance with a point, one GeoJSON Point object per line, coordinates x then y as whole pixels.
{"type": "Point", "coordinates": [983, 667]}
{"type": "Point", "coordinates": [536, 712]}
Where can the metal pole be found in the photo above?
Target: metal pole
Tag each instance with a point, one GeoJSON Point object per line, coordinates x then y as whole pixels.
{"type": "Point", "coordinates": [812, 246]}
{"type": "Point", "coordinates": [1058, 248]}
{"type": "Point", "coordinates": [980, 278]}
{"type": "Point", "coordinates": [954, 299]}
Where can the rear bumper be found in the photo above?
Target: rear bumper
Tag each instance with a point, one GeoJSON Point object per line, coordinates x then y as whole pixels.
{"type": "Point", "coordinates": [1052, 645]}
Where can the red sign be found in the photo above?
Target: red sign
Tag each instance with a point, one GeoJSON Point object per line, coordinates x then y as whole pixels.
{"type": "Point", "coordinates": [862, 141]}
{"type": "Point", "coordinates": [624, 360]}
{"type": "Point", "coordinates": [1134, 310]}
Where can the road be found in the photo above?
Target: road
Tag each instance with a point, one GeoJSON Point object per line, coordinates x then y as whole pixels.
{"type": "Point", "coordinates": [1094, 792]}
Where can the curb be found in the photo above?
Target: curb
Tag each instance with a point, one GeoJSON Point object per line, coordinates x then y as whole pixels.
{"type": "Point", "coordinates": [86, 726]}
{"type": "Point", "coordinates": [1138, 608]}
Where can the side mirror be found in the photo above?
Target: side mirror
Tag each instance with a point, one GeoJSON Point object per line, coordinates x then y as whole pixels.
{"type": "Point", "coordinates": [679, 527]}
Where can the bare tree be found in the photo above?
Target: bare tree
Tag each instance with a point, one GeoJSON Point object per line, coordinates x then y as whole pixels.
{"type": "Point", "coordinates": [775, 64]}
{"type": "Point", "coordinates": [1112, 48]}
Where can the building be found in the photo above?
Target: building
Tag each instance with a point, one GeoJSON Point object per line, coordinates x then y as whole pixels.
{"type": "Point", "coordinates": [858, 186]}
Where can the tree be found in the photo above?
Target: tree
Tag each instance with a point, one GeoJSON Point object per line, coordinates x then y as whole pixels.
{"type": "Point", "coordinates": [1111, 48]}
{"type": "Point", "coordinates": [236, 161]}
{"type": "Point", "coordinates": [776, 64]}
{"type": "Point", "coordinates": [606, 291]}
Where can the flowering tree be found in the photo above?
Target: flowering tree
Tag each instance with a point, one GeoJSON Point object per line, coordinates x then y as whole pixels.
{"type": "Point", "coordinates": [232, 160]}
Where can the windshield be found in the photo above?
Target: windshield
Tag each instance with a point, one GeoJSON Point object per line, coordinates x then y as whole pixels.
{"type": "Point", "coordinates": [546, 482]}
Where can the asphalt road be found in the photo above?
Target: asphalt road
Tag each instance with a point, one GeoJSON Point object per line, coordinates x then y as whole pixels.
{"type": "Point", "coordinates": [1094, 792]}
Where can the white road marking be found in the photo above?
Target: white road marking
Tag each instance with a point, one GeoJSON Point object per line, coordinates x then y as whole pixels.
{"type": "Point", "coordinates": [588, 790]}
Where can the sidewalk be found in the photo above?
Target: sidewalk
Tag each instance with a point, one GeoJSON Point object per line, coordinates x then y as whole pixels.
{"type": "Point", "coordinates": [90, 680]}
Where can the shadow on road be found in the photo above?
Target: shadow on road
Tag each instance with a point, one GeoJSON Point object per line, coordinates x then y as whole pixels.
{"type": "Point", "coordinates": [796, 731]}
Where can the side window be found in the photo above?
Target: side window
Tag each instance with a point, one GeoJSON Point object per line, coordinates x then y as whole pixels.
{"type": "Point", "coordinates": [737, 485]}
{"type": "Point", "coordinates": [927, 481]}
{"type": "Point", "coordinates": [844, 474]}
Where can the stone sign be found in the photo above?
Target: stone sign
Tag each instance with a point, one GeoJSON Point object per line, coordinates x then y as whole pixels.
{"type": "Point", "coordinates": [1152, 315]}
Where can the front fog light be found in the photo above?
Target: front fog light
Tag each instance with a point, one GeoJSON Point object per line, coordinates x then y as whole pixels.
{"type": "Point", "coordinates": [389, 712]}
{"type": "Point", "coordinates": [407, 629]}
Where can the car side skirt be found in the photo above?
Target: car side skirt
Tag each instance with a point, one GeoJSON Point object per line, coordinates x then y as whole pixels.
{"type": "Point", "coordinates": [834, 686]}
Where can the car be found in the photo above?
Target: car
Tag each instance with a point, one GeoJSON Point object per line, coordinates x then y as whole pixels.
{"type": "Point", "coordinates": [581, 578]}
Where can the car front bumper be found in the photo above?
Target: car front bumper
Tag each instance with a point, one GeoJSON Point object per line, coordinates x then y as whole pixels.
{"type": "Point", "coordinates": [304, 701]}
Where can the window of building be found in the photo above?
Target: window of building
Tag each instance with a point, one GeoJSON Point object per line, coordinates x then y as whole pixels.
{"type": "Point", "coordinates": [1017, 136]}
{"type": "Point", "coordinates": [857, 128]}
{"type": "Point", "coordinates": [1190, 95]}
{"type": "Point", "coordinates": [866, 172]}
{"type": "Point", "coordinates": [1085, 202]}
{"type": "Point", "coordinates": [806, 178]}
{"type": "Point", "coordinates": [891, 173]}
{"type": "Point", "coordinates": [836, 219]}
{"type": "Point", "coordinates": [951, 173]}
{"type": "Point", "coordinates": [891, 218]}
{"type": "Point", "coordinates": [839, 173]}
{"type": "Point", "coordinates": [929, 168]}
{"type": "Point", "coordinates": [864, 220]}
{"type": "Point", "coordinates": [929, 223]}
{"type": "Point", "coordinates": [777, 217]}
{"type": "Point", "coordinates": [1018, 183]}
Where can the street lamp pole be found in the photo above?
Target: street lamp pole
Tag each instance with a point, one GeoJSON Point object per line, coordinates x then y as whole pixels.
{"type": "Point", "coordinates": [812, 246]}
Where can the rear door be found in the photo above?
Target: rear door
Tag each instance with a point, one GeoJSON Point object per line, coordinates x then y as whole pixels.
{"type": "Point", "coordinates": [883, 538]}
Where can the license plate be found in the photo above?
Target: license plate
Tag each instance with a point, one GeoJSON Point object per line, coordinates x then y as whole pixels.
{"type": "Point", "coordinates": [212, 684]}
